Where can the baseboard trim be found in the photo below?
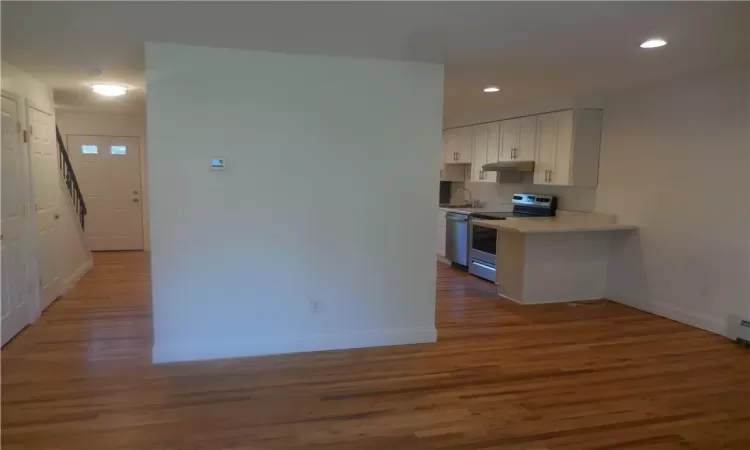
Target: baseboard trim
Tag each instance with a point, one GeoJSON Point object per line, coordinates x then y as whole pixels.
{"type": "Point", "coordinates": [77, 275]}
{"type": "Point", "coordinates": [699, 320]}
{"type": "Point", "coordinates": [205, 349]}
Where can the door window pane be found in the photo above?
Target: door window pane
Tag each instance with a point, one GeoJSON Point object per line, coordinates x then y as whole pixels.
{"type": "Point", "coordinates": [118, 150]}
{"type": "Point", "coordinates": [89, 149]}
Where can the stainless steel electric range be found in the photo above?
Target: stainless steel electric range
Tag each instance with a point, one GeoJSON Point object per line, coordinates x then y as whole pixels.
{"type": "Point", "coordinates": [483, 241]}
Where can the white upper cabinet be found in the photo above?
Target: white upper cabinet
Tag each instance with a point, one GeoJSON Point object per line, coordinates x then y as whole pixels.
{"type": "Point", "coordinates": [457, 145]}
{"type": "Point", "coordinates": [567, 148]}
{"type": "Point", "coordinates": [518, 139]}
{"type": "Point", "coordinates": [486, 143]}
{"type": "Point", "coordinates": [453, 172]}
{"type": "Point", "coordinates": [564, 146]}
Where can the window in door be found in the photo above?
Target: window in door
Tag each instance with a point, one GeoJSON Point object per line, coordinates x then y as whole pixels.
{"type": "Point", "coordinates": [118, 150]}
{"type": "Point", "coordinates": [89, 149]}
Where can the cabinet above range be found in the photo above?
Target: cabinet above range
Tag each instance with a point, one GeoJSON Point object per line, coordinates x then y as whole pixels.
{"type": "Point", "coordinates": [561, 146]}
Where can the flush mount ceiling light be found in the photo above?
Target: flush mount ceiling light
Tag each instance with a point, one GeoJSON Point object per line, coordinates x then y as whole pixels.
{"type": "Point", "coordinates": [109, 90]}
{"type": "Point", "coordinates": [654, 43]}
{"type": "Point", "coordinates": [491, 89]}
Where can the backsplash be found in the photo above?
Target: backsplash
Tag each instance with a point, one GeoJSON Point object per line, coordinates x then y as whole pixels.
{"type": "Point", "coordinates": [494, 194]}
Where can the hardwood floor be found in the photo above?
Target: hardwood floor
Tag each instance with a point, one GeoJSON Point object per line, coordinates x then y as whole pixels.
{"type": "Point", "coordinates": [501, 376]}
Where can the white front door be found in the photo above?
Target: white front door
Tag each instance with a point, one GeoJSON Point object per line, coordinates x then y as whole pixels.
{"type": "Point", "coordinates": [108, 170]}
{"type": "Point", "coordinates": [46, 185]}
{"type": "Point", "coordinates": [16, 295]}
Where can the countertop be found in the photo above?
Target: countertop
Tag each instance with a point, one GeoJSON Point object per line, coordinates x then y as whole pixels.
{"type": "Point", "coordinates": [469, 210]}
{"type": "Point", "coordinates": [552, 225]}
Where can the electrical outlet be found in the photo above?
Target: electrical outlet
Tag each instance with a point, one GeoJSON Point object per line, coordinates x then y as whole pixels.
{"type": "Point", "coordinates": [316, 306]}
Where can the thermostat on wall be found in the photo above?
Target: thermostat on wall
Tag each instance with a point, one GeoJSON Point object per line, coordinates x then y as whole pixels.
{"type": "Point", "coordinates": [218, 163]}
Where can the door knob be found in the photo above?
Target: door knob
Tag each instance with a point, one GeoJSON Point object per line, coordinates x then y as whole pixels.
{"type": "Point", "coordinates": [135, 192]}
{"type": "Point", "coordinates": [57, 216]}
{"type": "Point", "coordinates": [135, 200]}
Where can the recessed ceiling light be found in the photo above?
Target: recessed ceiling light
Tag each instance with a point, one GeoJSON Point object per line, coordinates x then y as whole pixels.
{"type": "Point", "coordinates": [109, 90]}
{"type": "Point", "coordinates": [491, 89]}
{"type": "Point", "coordinates": [654, 43]}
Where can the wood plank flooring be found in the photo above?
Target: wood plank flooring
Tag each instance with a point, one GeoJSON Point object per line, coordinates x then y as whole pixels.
{"type": "Point", "coordinates": [501, 376]}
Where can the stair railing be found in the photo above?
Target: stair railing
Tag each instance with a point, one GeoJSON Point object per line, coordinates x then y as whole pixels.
{"type": "Point", "coordinates": [69, 177]}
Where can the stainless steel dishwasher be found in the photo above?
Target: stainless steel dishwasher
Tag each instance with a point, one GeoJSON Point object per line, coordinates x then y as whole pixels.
{"type": "Point", "coordinates": [457, 238]}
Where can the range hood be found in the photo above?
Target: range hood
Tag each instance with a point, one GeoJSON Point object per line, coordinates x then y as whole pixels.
{"type": "Point", "coordinates": [509, 166]}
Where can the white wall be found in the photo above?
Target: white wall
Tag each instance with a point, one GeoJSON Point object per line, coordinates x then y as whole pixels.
{"type": "Point", "coordinates": [73, 257]}
{"type": "Point", "coordinates": [112, 124]}
{"type": "Point", "coordinates": [676, 162]}
{"type": "Point", "coordinates": [239, 255]}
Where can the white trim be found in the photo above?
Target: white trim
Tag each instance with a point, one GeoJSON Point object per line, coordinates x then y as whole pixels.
{"type": "Point", "coordinates": [202, 347]}
{"type": "Point", "coordinates": [682, 315]}
{"type": "Point", "coordinates": [76, 276]}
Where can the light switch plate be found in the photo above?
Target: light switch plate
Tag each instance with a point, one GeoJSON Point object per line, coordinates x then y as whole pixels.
{"type": "Point", "coordinates": [218, 163]}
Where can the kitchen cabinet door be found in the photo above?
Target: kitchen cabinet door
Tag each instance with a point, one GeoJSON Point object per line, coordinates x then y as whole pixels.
{"type": "Point", "coordinates": [493, 149]}
{"type": "Point", "coordinates": [479, 153]}
{"type": "Point", "coordinates": [509, 139]}
{"type": "Point", "coordinates": [453, 172]}
{"type": "Point", "coordinates": [560, 172]}
{"type": "Point", "coordinates": [546, 148]}
{"type": "Point", "coordinates": [526, 148]}
{"type": "Point", "coordinates": [567, 151]}
{"type": "Point", "coordinates": [518, 139]}
{"type": "Point", "coordinates": [485, 150]}
{"type": "Point", "coordinates": [457, 145]}
{"type": "Point", "coordinates": [449, 146]}
{"type": "Point", "coordinates": [464, 145]}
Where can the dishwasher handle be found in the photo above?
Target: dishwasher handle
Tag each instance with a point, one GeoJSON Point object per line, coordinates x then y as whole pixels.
{"type": "Point", "coordinates": [457, 217]}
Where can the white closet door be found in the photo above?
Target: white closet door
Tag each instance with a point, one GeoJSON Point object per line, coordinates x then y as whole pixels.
{"type": "Point", "coordinates": [46, 184]}
{"type": "Point", "coordinates": [14, 264]}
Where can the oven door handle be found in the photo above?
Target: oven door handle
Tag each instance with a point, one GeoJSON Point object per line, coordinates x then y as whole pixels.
{"type": "Point", "coordinates": [482, 265]}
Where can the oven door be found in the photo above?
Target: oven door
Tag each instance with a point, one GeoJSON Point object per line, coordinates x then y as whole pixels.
{"type": "Point", "coordinates": [483, 243]}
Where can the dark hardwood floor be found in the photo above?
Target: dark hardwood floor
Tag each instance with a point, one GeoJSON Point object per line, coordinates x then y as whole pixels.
{"type": "Point", "coordinates": [501, 376]}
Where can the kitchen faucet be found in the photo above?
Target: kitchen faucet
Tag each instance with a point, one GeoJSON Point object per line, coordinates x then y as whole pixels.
{"type": "Point", "coordinates": [470, 202]}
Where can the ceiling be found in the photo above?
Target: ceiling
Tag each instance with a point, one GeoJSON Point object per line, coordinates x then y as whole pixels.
{"type": "Point", "coordinates": [531, 50]}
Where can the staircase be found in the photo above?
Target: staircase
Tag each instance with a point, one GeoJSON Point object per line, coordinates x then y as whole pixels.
{"type": "Point", "coordinates": [69, 176]}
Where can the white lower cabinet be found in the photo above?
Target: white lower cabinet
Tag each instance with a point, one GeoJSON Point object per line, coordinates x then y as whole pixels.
{"type": "Point", "coordinates": [441, 234]}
